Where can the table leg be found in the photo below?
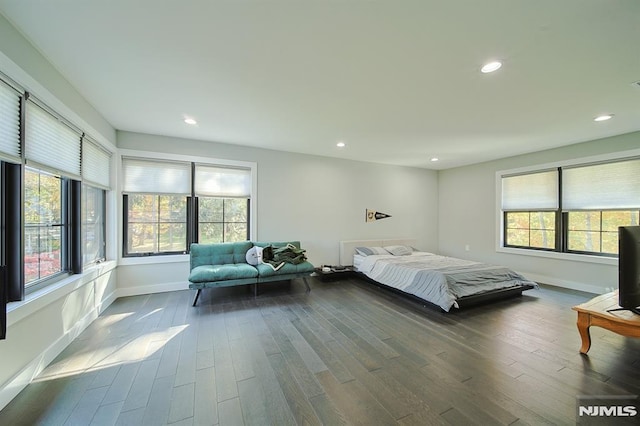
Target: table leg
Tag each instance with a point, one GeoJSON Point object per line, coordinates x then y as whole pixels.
{"type": "Point", "coordinates": [584, 321]}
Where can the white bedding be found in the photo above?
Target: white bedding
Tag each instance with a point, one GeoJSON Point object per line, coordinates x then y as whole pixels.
{"type": "Point", "coordinates": [357, 261]}
{"type": "Point", "coordinates": [437, 279]}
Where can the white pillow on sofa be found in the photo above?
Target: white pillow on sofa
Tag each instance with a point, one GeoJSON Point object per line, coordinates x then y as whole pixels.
{"type": "Point", "coordinates": [254, 255]}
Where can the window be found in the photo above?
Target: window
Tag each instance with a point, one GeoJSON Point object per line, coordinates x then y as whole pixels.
{"type": "Point", "coordinates": [165, 209]}
{"type": "Point", "coordinates": [96, 176]}
{"type": "Point", "coordinates": [155, 202]}
{"type": "Point", "coordinates": [530, 206]}
{"type": "Point", "coordinates": [155, 224]}
{"type": "Point", "coordinates": [597, 231]}
{"type": "Point", "coordinates": [10, 288]}
{"type": "Point", "coordinates": [531, 229]}
{"type": "Point", "coordinates": [222, 219]}
{"type": "Point", "coordinates": [596, 200]}
{"type": "Point", "coordinates": [53, 185]}
{"type": "Point", "coordinates": [10, 100]}
{"type": "Point", "coordinates": [47, 135]}
{"type": "Point", "coordinates": [48, 198]}
{"type": "Point", "coordinates": [11, 201]}
{"type": "Point", "coordinates": [223, 201]}
{"type": "Point", "coordinates": [44, 228]}
{"type": "Point", "coordinates": [573, 209]}
{"type": "Point", "coordinates": [93, 224]}
{"type": "Point", "coordinates": [3, 286]}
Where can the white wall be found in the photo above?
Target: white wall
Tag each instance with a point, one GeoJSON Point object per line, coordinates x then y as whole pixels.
{"type": "Point", "coordinates": [467, 216]}
{"type": "Point", "coordinates": [40, 327]}
{"type": "Point", "coordinates": [317, 200]}
{"type": "Point", "coordinates": [25, 65]}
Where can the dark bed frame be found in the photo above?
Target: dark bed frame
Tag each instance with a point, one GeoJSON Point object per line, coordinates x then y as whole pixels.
{"type": "Point", "coordinates": [463, 302]}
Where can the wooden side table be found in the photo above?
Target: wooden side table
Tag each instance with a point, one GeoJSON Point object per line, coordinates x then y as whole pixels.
{"type": "Point", "coordinates": [596, 312]}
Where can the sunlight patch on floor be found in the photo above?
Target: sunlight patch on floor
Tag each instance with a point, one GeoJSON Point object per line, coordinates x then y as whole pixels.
{"type": "Point", "coordinates": [134, 350]}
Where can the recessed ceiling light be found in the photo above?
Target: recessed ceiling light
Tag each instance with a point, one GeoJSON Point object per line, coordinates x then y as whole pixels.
{"type": "Point", "coordinates": [434, 159]}
{"type": "Point", "coordinates": [341, 144]}
{"type": "Point", "coordinates": [603, 117]}
{"type": "Point", "coordinates": [491, 67]}
{"type": "Point", "coordinates": [190, 120]}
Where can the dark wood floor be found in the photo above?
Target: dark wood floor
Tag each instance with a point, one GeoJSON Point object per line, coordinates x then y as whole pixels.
{"type": "Point", "coordinates": [346, 353]}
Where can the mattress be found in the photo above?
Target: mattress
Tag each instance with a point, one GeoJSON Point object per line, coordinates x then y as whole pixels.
{"type": "Point", "coordinates": [440, 280]}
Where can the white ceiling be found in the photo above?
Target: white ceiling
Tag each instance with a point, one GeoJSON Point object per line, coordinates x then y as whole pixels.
{"type": "Point", "coordinates": [397, 81]}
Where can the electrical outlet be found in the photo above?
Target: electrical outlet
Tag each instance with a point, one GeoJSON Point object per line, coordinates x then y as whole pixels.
{"type": "Point", "coordinates": [467, 247]}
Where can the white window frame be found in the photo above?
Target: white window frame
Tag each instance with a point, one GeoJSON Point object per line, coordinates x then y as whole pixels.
{"type": "Point", "coordinates": [150, 155]}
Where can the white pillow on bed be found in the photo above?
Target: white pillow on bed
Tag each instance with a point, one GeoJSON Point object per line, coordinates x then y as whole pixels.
{"type": "Point", "coordinates": [368, 251]}
{"type": "Point", "coordinates": [399, 250]}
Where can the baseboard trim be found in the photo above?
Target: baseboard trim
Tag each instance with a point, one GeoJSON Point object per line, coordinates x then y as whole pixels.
{"type": "Point", "coordinates": [20, 381]}
{"type": "Point", "coordinates": [153, 288]}
{"type": "Point", "coordinates": [572, 285]}
{"type": "Point", "coordinates": [108, 300]}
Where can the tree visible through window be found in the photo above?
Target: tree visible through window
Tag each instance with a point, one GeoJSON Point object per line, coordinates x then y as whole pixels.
{"type": "Point", "coordinates": [222, 219]}
{"type": "Point", "coordinates": [597, 231]}
{"type": "Point", "coordinates": [170, 204]}
{"type": "Point", "coordinates": [531, 229]}
{"type": "Point", "coordinates": [576, 208]}
{"type": "Point", "coordinates": [93, 224]}
{"type": "Point", "coordinates": [156, 223]}
{"type": "Point", "coordinates": [43, 225]}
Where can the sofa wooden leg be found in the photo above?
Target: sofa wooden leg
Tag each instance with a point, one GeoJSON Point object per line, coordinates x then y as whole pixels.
{"type": "Point", "coordinates": [196, 298]}
{"type": "Point", "coordinates": [255, 290]}
{"type": "Point", "coordinates": [306, 284]}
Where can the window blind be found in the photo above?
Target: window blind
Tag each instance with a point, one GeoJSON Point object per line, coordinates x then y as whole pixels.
{"type": "Point", "coordinates": [9, 122]}
{"type": "Point", "coordinates": [533, 191]}
{"type": "Point", "coordinates": [96, 164]}
{"type": "Point", "coordinates": [156, 176]}
{"type": "Point", "coordinates": [603, 186]}
{"type": "Point", "coordinates": [218, 181]}
{"type": "Point", "coordinates": [51, 143]}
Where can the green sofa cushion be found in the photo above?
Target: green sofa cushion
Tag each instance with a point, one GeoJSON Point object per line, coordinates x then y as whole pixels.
{"type": "Point", "coordinates": [232, 271]}
{"type": "Point", "coordinates": [219, 254]}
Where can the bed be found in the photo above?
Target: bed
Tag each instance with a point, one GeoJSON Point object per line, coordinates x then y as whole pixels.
{"type": "Point", "coordinates": [442, 281]}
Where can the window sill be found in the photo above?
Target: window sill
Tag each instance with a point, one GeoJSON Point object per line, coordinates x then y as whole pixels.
{"type": "Point", "coordinates": [149, 260]}
{"type": "Point", "coordinates": [33, 302]}
{"type": "Point", "coordinates": [560, 256]}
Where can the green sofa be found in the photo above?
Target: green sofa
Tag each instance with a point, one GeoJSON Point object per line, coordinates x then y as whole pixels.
{"type": "Point", "coordinates": [225, 265]}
